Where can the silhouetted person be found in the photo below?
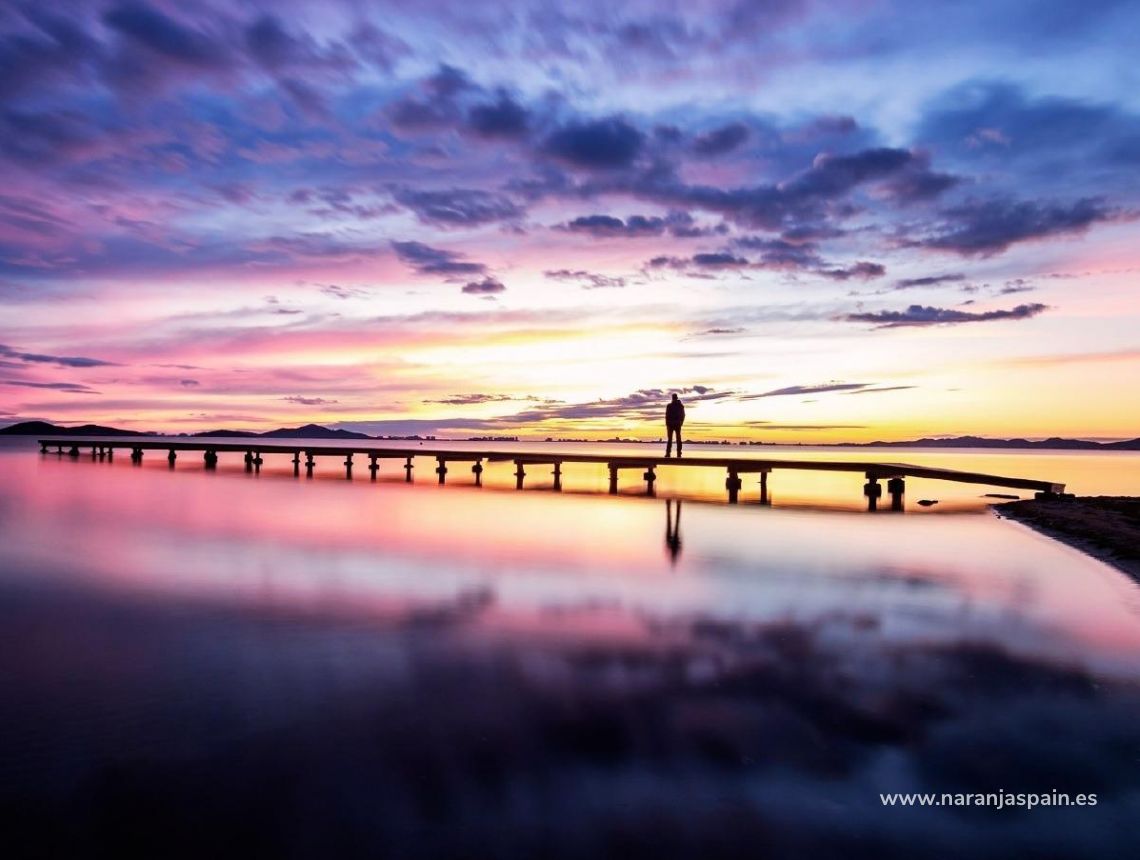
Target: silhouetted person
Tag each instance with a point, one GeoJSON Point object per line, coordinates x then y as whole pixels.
{"type": "Point", "coordinates": [674, 420]}
{"type": "Point", "coordinates": [673, 530]}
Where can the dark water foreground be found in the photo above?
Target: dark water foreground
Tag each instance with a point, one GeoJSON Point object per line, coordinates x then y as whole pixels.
{"type": "Point", "coordinates": [393, 671]}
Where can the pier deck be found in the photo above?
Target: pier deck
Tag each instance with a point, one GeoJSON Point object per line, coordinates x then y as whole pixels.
{"type": "Point", "coordinates": [894, 474]}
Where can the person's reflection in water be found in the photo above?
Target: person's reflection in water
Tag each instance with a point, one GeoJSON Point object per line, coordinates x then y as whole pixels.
{"type": "Point", "coordinates": [673, 530]}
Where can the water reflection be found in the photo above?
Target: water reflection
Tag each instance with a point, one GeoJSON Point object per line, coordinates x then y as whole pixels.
{"type": "Point", "coordinates": [209, 661]}
{"type": "Point", "coordinates": [673, 530]}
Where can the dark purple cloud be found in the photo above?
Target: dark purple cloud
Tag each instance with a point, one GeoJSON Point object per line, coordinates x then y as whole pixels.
{"type": "Point", "coordinates": [70, 387]}
{"type": "Point", "coordinates": [59, 360]}
{"type": "Point", "coordinates": [427, 260]}
{"type": "Point", "coordinates": [163, 35]}
{"type": "Point", "coordinates": [986, 227]}
{"type": "Point", "coordinates": [929, 281]}
{"type": "Point", "coordinates": [721, 140]}
{"type": "Point", "coordinates": [458, 207]}
{"type": "Point", "coordinates": [487, 286]}
{"type": "Point", "coordinates": [861, 270]}
{"type": "Point", "coordinates": [681, 225]}
{"type": "Point", "coordinates": [502, 118]}
{"type": "Point", "coordinates": [602, 144]}
{"type": "Point", "coordinates": [920, 315]}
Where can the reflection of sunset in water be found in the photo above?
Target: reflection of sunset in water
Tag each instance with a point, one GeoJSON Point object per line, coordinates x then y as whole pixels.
{"type": "Point", "coordinates": [328, 544]}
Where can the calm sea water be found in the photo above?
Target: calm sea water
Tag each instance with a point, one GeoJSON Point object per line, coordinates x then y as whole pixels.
{"type": "Point", "coordinates": [199, 662]}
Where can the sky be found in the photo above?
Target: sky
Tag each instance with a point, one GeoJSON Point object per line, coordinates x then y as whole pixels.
{"type": "Point", "coordinates": [815, 221]}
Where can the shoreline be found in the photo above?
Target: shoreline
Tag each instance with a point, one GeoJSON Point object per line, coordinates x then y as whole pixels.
{"type": "Point", "coordinates": [1106, 528]}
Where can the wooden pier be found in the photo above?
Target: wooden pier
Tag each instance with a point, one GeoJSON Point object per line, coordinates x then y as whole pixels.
{"type": "Point", "coordinates": [894, 474]}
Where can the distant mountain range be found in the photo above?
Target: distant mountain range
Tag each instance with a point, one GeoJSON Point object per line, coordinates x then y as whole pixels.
{"type": "Point", "coordinates": [1053, 443]}
{"type": "Point", "coordinates": [316, 431]}
{"type": "Point", "coordinates": [42, 428]}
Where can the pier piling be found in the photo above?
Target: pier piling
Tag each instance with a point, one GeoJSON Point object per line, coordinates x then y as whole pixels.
{"type": "Point", "coordinates": [872, 491]}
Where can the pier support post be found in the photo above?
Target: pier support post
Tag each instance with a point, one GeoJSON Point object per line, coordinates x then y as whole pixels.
{"type": "Point", "coordinates": [373, 466]}
{"type": "Point", "coordinates": [896, 488]}
{"type": "Point", "coordinates": [477, 470]}
{"type": "Point", "coordinates": [257, 461]}
{"type": "Point", "coordinates": [74, 452]}
{"type": "Point", "coordinates": [136, 456]}
{"type": "Point", "coordinates": [408, 471]}
{"type": "Point", "coordinates": [557, 476]}
{"type": "Point", "coordinates": [43, 447]}
{"type": "Point", "coordinates": [441, 469]}
{"type": "Point", "coordinates": [210, 458]}
{"type": "Point", "coordinates": [520, 473]}
{"type": "Point", "coordinates": [733, 484]}
{"type": "Point", "coordinates": [249, 461]}
{"type": "Point", "coordinates": [613, 479]}
{"type": "Point", "coordinates": [110, 453]}
{"type": "Point", "coordinates": [171, 457]}
{"type": "Point", "coordinates": [93, 452]}
{"type": "Point", "coordinates": [59, 450]}
{"type": "Point", "coordinates": [764, 500]}
{"type": "Point", "coordinates": [309, 464]}
{"type": "Point", "coordinates": [650, 477]}
{"type": "Point", "coordinates": [872, 491]}
{"type": "Point", "coordinates": [296, 464]}
{"type": "Point", "coordinates": [348, 466]}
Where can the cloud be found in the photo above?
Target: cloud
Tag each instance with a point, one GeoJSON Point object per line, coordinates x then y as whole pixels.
{"type": "Point", "coordinates": [71, 387]}
{"type": "Point", "coordinates": [587, 280]}
{"type": "Point", "coordinates": [458, 207]}
{"type": "Point", "coordinates": [862, 270]}
{"type": "Point", "coordinates": [794, 390]}
{"type": "Point", "coordinates": [164, 35]}
{"type": "Point", "coordinates": [427, 260]}
{"type": "Point", "coordinates": [984, 228]}
{"type": "Point", "coordinates": [919, 315]}
{"type": "Point", "coordinates": [309, 401]}
{"type": "Point", "coordinates": [475, 399]}
{"type": "Point", "coordinates": [721, 140]}
{"type": "Point", "coordinates": [720, 331]}
{"type": "Point", "coordinates": [502, 118]}
{"type": "Point", "coordinates": [59, 360]}
{"type": "Point", "coordinates": [337, 291]}
{"type": "Point", "coordinates": [607, 226]}
{"type": "Point", "coordinates": [487, 286]}
{"type": "Point", "coordinates": [882, 389]}
{"type": "Point", "coordinates": [676, 223]}
{"type": "Point", "coordinates": [602, 144]}
{"type": "Point", "coordinates": [929, 281]}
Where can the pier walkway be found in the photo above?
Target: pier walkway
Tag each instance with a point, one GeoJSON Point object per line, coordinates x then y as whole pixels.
{"type": "Point", "coordinates": [894, 474]}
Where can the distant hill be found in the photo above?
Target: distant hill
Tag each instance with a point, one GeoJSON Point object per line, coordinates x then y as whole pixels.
{"type": "Point", "coordinates": [239, 433]}
{"type": "Point", "coordinates": [43, 428]}
{"type": "Point", "coordinates": [1053, 444]}
{"type": "Point", "coordinates": [312, 431]}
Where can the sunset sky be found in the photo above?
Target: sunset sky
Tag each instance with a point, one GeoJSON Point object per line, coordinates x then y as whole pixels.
{"type": "Point", "coordinates": [818, 221]}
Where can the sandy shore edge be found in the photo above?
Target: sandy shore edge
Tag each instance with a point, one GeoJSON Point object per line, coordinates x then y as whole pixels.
{"type": "Point", "coordinates": [1104, 527]}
